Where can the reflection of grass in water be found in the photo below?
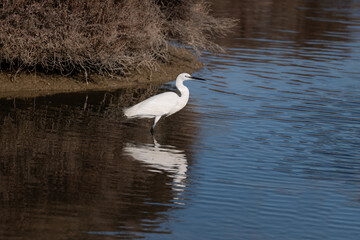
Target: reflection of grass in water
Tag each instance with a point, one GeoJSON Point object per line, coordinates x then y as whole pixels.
{"type": "Point", "coordinates": [58, 157]}
{"type": "Point", "coordinates": [106, 37]}
{"type": "Point", "coordinates": [300, 22]}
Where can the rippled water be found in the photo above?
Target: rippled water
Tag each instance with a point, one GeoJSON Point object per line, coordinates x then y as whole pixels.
{"type": "Point", "coordinates": [268, 148]}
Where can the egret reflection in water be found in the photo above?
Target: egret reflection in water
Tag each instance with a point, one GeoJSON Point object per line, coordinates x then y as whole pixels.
{"type": "Point", "coordinates": [161, 158]}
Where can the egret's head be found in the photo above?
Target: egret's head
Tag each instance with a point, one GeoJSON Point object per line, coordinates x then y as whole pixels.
{"type": "Point", "coordinates": [186, 76]}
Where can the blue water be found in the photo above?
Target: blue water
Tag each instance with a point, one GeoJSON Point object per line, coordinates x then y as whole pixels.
{"type": "Point", "coordinates": [279, 147]}
{"type": "Point", "coordinates": [267, 148]}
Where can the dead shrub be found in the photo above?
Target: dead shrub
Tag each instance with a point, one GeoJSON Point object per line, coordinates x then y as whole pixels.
{"type": "Point", "coordinates": [106, 37]}
{"type": "Point", "coordinates": [189, 22]}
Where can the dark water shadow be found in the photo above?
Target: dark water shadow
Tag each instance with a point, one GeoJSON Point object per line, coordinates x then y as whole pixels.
{"type": "Point", "coordinates": [72, 166]}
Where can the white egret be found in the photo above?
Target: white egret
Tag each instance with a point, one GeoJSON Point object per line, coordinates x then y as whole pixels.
{"type": "Point", "coordinates": [163, 104]}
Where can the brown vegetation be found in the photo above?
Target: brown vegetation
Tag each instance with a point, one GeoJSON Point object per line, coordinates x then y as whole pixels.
{"type": "Point", "coordinates": [31, 85]}
{"type": "Point", "coordinates": [107, 37]}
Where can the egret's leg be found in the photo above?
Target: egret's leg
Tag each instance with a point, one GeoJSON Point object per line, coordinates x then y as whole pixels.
{"type": "Point", "coordinates": [157, 118]}
{"type": "Point", "coordinates": [156, 144]}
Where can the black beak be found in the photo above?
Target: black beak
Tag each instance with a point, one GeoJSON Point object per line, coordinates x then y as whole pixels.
{"type": "Point", "coordinates": [196, 78]}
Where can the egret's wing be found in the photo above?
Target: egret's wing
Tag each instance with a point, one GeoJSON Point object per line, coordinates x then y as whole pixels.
{"type": "Point", "coordinates": [157, 105]}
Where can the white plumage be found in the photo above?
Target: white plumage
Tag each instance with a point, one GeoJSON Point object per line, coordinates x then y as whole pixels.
{"type": "Point", "coordinates": [163, 104]}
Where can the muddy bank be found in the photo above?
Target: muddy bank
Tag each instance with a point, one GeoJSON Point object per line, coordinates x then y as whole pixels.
{"type": "Point", "coordinates": [31, 84]}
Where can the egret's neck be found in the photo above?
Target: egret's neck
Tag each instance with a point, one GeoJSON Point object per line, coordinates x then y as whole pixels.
{"type": "Point", "coordinates": [184, 91]}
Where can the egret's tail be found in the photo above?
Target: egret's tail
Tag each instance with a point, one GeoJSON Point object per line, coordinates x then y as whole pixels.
{"type": "Point", "coordinates": [126, 112]}
{"type": "Point", "coordinates": [133, 112]}
{"type": "Point", "coordinates": [129, 112]}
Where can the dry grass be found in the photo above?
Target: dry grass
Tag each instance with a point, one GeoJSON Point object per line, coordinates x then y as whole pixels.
{"type": "Point", "coordinates": [107, 37]}
{"type": "Point", "coordinates": [190, 23]}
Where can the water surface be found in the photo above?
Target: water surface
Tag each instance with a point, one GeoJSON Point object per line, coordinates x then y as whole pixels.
{"type": "Point", "coordinates": [268, 148]}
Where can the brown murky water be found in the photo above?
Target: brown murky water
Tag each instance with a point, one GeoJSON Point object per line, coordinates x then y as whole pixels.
{"type": "Point", "coordinates": [268, 148]}
{"type": "Point", "coordinates": [71, 164]}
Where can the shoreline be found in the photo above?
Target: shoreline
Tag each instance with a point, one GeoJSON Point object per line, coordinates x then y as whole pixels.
{"type": "Point", "coordinates": [27, 85]}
